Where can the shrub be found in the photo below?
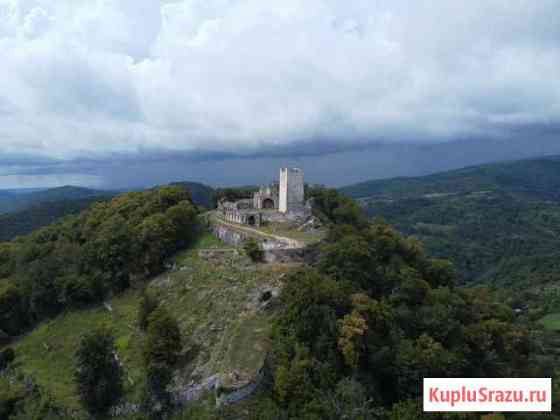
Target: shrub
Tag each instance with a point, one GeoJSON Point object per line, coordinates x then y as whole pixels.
{"type": "Point", "coordinates": [98, 374]}
{"type": "Point", "coordinates": [148, 304]}
{"type": "Point", "coordinates": [7, 356]}
{"type": "Point", "coordinates": [253, 250]}
{"type": "Point", "coordinates": [161, 353]}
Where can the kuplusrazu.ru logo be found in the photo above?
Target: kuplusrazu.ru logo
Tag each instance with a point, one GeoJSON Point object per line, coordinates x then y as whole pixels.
{"type": "Point", "coordinates": [488, 394]}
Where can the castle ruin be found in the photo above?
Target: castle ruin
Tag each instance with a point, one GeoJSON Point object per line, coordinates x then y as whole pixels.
{"type": "Point", "coordinates": [280, 201]}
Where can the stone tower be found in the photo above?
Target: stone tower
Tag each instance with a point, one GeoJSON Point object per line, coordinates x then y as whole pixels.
{"type": "Point", "coordinates": [291, 190]}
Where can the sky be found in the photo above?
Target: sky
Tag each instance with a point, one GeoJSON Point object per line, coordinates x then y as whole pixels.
{"type": "Point", "coordinates": [120, 93]}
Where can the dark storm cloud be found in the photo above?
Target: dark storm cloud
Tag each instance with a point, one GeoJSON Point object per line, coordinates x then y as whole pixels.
{"type": "Point", "coordinates": [219, 83]}
{"type": "Point", "coordinates": [334, 168]}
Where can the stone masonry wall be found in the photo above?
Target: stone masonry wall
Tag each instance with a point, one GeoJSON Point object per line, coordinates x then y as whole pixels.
{"type": "Point", "coordinates": [291, 190]}
{"type": "Point", "coordinates": [241, 393]}
{"type": "Point", "coordinates": [295, 190]}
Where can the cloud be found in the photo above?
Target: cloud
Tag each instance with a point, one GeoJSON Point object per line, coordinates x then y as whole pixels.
{"type": "Point", "coordinates": [91, 79]}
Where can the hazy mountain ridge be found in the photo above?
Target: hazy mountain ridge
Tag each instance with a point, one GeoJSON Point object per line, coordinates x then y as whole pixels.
{"type": "Point", "coordinates": [10, 202]}
{"type": "Point", "coordinates": [534, 176]}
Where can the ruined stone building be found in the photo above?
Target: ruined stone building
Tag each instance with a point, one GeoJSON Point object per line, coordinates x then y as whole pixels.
{"type": "Point", "coordinates": [280, 201]}
{"type": "Point", "coordinates": [241, 211]}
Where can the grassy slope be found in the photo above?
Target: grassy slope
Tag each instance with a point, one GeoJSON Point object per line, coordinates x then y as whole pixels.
{"type": "Point", "coordinates": [46, 354]}
{"type": "Point", "coordinates": [208, 297]}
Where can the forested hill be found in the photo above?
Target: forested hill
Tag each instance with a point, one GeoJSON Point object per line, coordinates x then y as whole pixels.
{"type": "Point", "coordinates": [201, 194]}
{"type": "Point", "coordinates": [537, 177]}
{"type": "Point", "coordinates": [31, 211]}
{"type": "Point", "coordinates": [498, 223]}
{"type": "Point", "coordinates": [347, 335]}
{"type": "Point", "coordinates": [42, 214]}
{"type": "Point", "coordinates": [10, 202]}
{"type": "Point", "coordinates": [85, 257]}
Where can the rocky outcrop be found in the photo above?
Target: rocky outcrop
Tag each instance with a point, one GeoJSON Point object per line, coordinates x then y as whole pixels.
{"type": "Point", "coordinates": [194, 392]}
{"type": "Point", "coordinates": [232, 396]}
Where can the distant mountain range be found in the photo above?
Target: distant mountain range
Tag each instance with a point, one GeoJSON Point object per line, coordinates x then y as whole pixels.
{"type": "Point", "coordinates": [490, 220]}
{"type": "Point", "coordinates": [536, 177]}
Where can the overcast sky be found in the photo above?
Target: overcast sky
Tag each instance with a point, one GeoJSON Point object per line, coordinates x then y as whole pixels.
{"type": "Point", "coordinates": [105, 92]}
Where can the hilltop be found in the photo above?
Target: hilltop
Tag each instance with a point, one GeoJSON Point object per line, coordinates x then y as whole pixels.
{"type": "Point", "coordinates": [223, 301]}
{"type": "Point", "coordinates": [326, 336]}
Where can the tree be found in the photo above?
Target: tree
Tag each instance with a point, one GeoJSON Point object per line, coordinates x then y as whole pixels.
{"type": "Point", "coordinates": [420, 358]}
{"type": "Point", "coordinates": [7, 356]}
{"type": "Point", "coordinates": [107, 255]}
{"type": "Point", "coordinates": [11, 392]}
{"type": "Point", "coordinates": [350, 259]}
{"type": "Point", "coordinates": [98, 373]}
{"type": "Point", "coordinates": [14, 315]}
{"type": "Point", "coordinates": [164, 340]}
{"type": "Point", "coordinates": [148, 303]}
{"type": "Point", "coordinates": [332, 207]}
{"type": "Point", "coordinates": [183, 219]}
{"type": "Point", "coordinates": [293, 378]}
{"type": "Point", "coordinates": [156, 237]}
{"type": "Point", "coordinates": [163, 346]}
{"type": "Point", "coordinates": [350, 401]}
{"type": "Point", "coordinates": [7, 265]}
{"type": "Point", "coordinates": [253, 250]}
{"type": "Point", "coordinates": [37, 406]}
{"type": "Point", "coordinates": [352, 329]}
